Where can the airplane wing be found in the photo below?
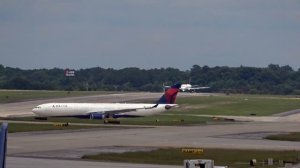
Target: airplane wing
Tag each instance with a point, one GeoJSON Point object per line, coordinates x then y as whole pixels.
{"type": "Point", "coordinates": [109, 113]}
{"type": "Point", "coordinates": [199, 88]}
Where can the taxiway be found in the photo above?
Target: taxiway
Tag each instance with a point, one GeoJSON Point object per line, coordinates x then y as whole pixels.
{"type": "Point", "coordinates": [63, 148]}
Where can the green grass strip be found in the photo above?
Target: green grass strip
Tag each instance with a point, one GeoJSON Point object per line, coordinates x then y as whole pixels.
{"type": "Point", "coordinates": [293, 136]}
{"type": "Point", "coordinates": [174, 156]}
{"type": "Point", "coordinates": [155, 120]}
{"type": "Point", "coordinates": [20, 127]}
{"type": "Point", "coordinates": [243, 105]}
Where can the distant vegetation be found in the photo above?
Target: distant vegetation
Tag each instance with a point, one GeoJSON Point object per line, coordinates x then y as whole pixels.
{"type": "Point", "coordinates": [273, 79]}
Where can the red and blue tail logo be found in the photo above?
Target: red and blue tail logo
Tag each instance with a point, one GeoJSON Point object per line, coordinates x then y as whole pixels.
{"type": "Point", "coordinates": [170, 95]}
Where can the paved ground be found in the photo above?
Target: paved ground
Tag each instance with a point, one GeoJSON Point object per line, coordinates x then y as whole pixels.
{"type": "Point", "coordinates": [31, 146]}
{"type": "Point", "coordinates": [24, 108]}
{"type": "Point", "coordinates": [70, 145]}
{"type": "Point", "coordinates": [220, 136]}
{"type": "Point", "coordinates": [292, 117]}
{"type": "Point", "coordinates": [17, 162]}
{"type": "Point", "coordinates": [31, 149]}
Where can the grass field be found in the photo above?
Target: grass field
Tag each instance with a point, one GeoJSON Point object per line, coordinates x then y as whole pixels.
{"type": "Point", "coordinates": [168, 120]}
{"type": "Point", "coordinates": [171, 156]}
{"type": "Point", "coordinates": [18, 127]}
{"type": "Point", "coordinates": [243, 105]}
{"type": "Point", "coordinates": [293, 136]}
{"type": "Point", "coordinates": [9, 96]}
{"type": "Point", "coordinates": [155, 120]}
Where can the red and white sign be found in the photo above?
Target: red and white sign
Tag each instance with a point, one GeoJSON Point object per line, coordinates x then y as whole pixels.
{"type": "Point", "coordinates": [69, 72]}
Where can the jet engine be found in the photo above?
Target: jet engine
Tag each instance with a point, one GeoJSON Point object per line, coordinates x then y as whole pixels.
{"type": "Point", "coordinates": [97, 115]}
{"type": "Point", "coordinates": [167, 107]}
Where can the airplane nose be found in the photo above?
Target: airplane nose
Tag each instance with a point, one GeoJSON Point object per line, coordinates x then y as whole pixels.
{"type": "Point", "coordinates": [36, 109]}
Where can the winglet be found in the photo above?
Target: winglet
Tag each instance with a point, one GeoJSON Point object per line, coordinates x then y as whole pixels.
{"type": "Point", "coordinates": [3, 144]}
{"type": "Point", "coordinates": [170, 95]}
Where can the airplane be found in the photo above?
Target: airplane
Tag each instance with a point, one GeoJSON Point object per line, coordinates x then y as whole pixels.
{"type": "Point", "coordinates": [191, 88]}
{"type": "Point", "coordinates": [108, 110]}
{"type": "Point", "coordinates": [188, 88]}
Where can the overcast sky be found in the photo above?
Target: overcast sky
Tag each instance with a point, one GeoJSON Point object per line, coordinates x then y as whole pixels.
{"type": "Point", "coordinates": [149, 33]}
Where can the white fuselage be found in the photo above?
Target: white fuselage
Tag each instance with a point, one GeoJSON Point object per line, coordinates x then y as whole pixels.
{"type": "Point", "coordinates": [189, 88]}
{"type": "Point", "coordinates": [185, 87]}
{"type": "Point", "coordinates": [81, 109]}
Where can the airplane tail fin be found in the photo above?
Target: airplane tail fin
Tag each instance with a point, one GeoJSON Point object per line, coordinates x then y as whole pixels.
{"type": "Point", "coordinates": [170, 95]}
{"type": "Point", "coordinates": [3, 144]}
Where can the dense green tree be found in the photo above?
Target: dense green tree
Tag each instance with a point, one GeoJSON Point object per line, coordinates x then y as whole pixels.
{"type": "Point", "coordinates": [273, 79]}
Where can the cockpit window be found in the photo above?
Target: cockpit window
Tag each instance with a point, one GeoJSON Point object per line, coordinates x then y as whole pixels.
{"type": "Point", "coordinates": [38, 107]}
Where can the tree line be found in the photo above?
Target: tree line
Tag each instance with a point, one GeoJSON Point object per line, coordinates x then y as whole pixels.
{"type": "Point", "coordinates": [273, 79]}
